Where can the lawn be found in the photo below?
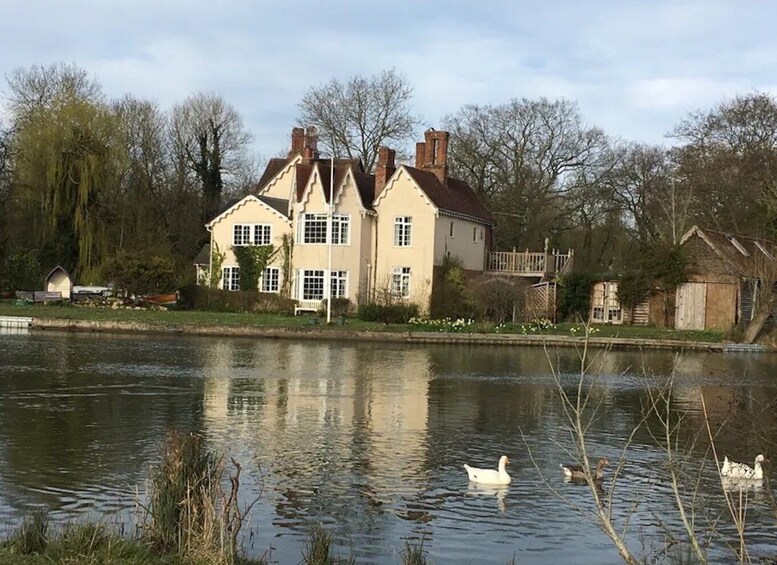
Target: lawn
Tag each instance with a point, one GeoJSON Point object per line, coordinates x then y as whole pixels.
{"type": "Point", "coordinates": [183, 318]}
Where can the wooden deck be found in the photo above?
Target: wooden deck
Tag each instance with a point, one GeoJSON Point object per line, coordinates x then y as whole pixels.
{"type": "Point", "coordinates": [543, 265]}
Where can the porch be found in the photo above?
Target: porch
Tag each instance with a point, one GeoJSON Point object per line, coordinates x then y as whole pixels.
{"type": "Point", "coordinates": [548, 264]}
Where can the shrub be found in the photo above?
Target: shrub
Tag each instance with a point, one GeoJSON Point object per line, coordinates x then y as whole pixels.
{"type": "Point", "coordinates": [388, 314]}
{"type": "Point", "coordinates": [218, 300]}
{"type": "Point", "coordinates": [21, 271]}
{"type": "Point", "coordinates": [451, 298]}
{"type": "Point", "coordinates": [340, 307]}
{"type": "Point", "coordinates": [140, 275]}
{"type": "Point", "coordinates": [574, 300]}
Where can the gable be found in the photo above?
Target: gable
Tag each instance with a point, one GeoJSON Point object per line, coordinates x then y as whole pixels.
{"type": "Point", "coordinates": [265, 205]}
{"type": "Point", "coordinates": [399, 181]}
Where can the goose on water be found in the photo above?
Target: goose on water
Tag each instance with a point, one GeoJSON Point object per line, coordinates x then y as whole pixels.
{"type": "Point", "coordinates": [490, 476]}
{"type": "Point", "coordinates": [577, 473]}
{"type": "Point", "coordinates": [733, 470]}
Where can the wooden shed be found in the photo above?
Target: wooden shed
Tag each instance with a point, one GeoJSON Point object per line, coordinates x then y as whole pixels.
{"type": "Point", "coordinates": [723, 272]}
{"type": "Point", "coordinates": [58, 280]}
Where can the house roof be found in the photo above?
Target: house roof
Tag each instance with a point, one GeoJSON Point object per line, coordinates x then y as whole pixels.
{"type": "Point", "coordinates": [203, 257]}
{"type": "Point", "coordinates": [744, 254]}
{"type": "Point", "coordinates": [454, 197]}
{"type": "Point", "coordinates": [274, 166]}
{"type": "Point", "coordinates": [366, 185]}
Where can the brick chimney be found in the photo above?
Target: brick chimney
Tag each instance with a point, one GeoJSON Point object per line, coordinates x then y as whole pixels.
{"type": "Point", "coordinates": [435, 153]}
{"type": "Point", "coordinates": [384, 169]}
{"type": "Point", "coordinates": [297, 141]}
{"type": "Point", "coordinates": [420, 151]}
{"type": "Point", "coordinates": [311, 139]}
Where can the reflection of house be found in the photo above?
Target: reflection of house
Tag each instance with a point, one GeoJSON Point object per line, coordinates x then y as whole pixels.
{"type": "Point", "coordinates": [723, 274]}
{"type": "Point", "coordinates": [388, 230]}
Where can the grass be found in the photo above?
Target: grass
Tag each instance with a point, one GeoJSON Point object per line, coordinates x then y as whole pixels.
{"type": "Point", "coordinates": [184, 318]}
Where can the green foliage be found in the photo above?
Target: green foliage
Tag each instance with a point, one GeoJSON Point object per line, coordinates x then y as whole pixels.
{"type": "Point", "coordinates": [633, 287]}
{"type": "Point", "coordinates": [67, 156]}
{"type": "Point", "coordinates": [665, 264]}
{"type": "Point", "coordinates": [21, 271]}
{"type": "Point", "coordinates": [217, 300]}
{"type": "Point", "coordinates": [252, 260]}
{"type": "Point", "coordinates": [388, 313]}
{"type": "Point", "coordinates": [33, 535]}
{"type": "Point", "coordinates": [451, 298]}
{"type": "Point", "coordinates": [287, 254]}
{"type": "Point", "coordinates": [140, 275]}
{"type": "Point", "coordinates": [217, 259]}
{"type": "Point", "coordinates": [318, 549]}
{"type": "Point", "coordinates": [574, 300]}
{"type": "Point", "coordinates": [340, 306]}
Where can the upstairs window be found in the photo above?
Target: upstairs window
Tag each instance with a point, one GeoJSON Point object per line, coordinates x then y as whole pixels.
{"type": "Point", "coordinates": [450, 233]}
{"type": "Point", "coordinates": [313, 228]}
{"type": "Point", "coordinates": [341, 229]}
{"type": "Point", "coordinates": [251, 234]}
{"type": "Point", "coordinates": [402, 231]}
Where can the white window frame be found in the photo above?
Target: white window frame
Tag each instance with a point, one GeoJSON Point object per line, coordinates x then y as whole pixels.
{"type": "Point", "coordinates": [315, 233]}
{"type": "Point", "coordinates": [400, 282]}
{"type": "Point", "coordinates": [403, 231]}
{"type": "Point", "coordinates": [341, 229]}
{"type": "Point", "coordinates": [307, 277]}
{"type": "Point", "coordinates": [270, 280]}
{"type": "Point", "coordinates": [338, 286]}
{"type": "Point", "coordinates": [251, 234]}
{"type": "Point", "coordinates": [475, 234]}
{"type": "Point", "coordinates": [230, 278]}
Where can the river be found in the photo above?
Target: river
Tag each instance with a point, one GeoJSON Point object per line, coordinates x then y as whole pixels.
{"type": "Point", "coordinates": [369, 440]}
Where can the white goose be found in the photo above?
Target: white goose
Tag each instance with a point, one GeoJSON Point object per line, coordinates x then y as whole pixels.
{"type": "Point", "coordinates": [490, 476]}
{"type": "Point", "coordinates": [733, 470]}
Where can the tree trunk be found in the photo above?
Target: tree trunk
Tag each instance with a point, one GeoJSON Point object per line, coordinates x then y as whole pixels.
{"type": "Point", "coordinates": [756, 325]}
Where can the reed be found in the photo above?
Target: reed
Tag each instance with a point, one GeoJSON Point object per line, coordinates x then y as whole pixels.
{"type": "Point", "coordinates": [319, 551]}
{"type": "Point", "coordinates": [414, 553]}
{"type": "Point", "coordinates": [189, 512]}
{"type": "Point", "coordinates": [32, 536]}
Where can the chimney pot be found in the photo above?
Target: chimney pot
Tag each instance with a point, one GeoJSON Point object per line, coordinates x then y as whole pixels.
{"type": "Point", "coordinates": [297, 141]}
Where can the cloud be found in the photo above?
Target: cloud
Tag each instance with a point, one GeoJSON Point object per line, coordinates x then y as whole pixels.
{"type": "Point", "coordinates": [636, 68]}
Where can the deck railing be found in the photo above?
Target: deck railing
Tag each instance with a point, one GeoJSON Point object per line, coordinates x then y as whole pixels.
{"type": "Point", "coordinates": [527, 263]}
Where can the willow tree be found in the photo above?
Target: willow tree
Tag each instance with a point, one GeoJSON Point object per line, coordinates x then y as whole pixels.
{"type": "Point", "coordinates": [65, 161]}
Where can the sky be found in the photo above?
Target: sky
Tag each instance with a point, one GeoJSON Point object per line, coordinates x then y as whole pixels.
{"type": "Point", "coordinates": [635, 68]}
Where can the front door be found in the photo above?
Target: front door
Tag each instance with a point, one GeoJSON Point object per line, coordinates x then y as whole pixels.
{"type": "Point", "coordinates": [691, 304]}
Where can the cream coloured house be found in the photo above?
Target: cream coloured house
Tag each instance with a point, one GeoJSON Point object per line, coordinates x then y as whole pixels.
{"type": "Point", "coordinates": [389, 230]}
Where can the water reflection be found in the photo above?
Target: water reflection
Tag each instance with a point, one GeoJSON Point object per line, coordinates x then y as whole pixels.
{"type": "Point", "coordinates": [370, 440]}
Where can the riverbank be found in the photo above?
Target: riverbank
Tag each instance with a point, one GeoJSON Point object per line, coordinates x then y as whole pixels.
{"type": "Point", "coordinates": [389, 335]}
{"type": "Point", "coordinates": [68, 318]}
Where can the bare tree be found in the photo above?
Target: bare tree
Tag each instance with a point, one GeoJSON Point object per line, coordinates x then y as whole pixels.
{"type": "Point", "coordinates": [643, 184]}
{"type": "Point", "coordinates": [356, 117]}
{"type": "Point", "coordinates": [525, 158]}
{"type": "Point", "coordinates": [40, 87]}
{"type": "Point", "coordinates": [729, 158]}
{"type": "Point", "coordinates": [208, 135]}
